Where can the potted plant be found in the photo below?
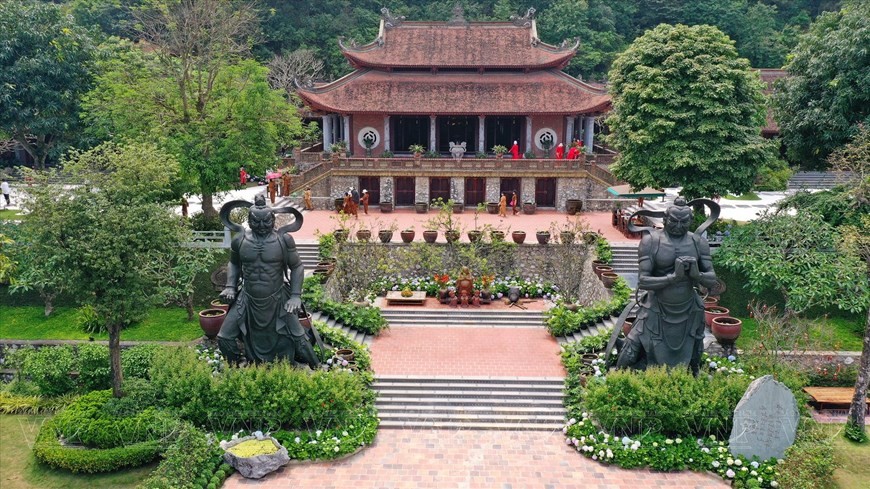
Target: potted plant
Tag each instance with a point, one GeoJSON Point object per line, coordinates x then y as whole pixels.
{"type": "Point", "coordinates": [339, 204]}
{"type": "Point", "coordinates": [573, 206]}
{"type": "Point", "coordinates": [499, 150]}
{"type": "Point", "coordinates": [407, 235]}
{"type": "Point", "coordinates": [518, 236]}
{"type": "Point", "coordinates": [340, 235]}
{"type": "Point", "coordinates": [543, 237]}
{"type": "Point", "coordinates": [430, 232]}
{"type": "Point", "coordinates": [385, 234]}
{"type": "Point", "coordinates": [609, 279]}
{"type": "Point", "coordinates": [496, 235]}
{"type": "Point", "coordinates": [529, 207]}
{"type": "Point", "coordinates": [458, 207]}
{"type": "Point", "coordinates": [417, 149]}
{"type": "Point", "coordinates": [475, 234]}
{"type": "Point", "coordinates": [421, 207]}
{"type": "Point", "coordinates": [255, 456]}
{"type": "Point", "coordinates": [337, 149]}
{"type": "Point", "coordinates": [443, 221]}
{"type": "Point", "coordinates": [211, 320]}
{"type": "Point", "coordinates": [726, 330]}
{"type": "Point", "coordinates": [492, 207]}
{"type": "Point", "coordinates": [364, 235]}
{"type": "Point", "coordinates": [386, 206]}
{"type": "Point", "coordinates": [602, 269]}
{"type": "Point", "coordinates": [712, 312]}
{"type": "Point", "coordinates": [219, 304]}
{"type": "Point", "coordinates": [566, 237]}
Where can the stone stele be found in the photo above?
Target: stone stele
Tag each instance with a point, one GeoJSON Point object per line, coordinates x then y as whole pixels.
{"type": "Point", "coordinates": [765, 420]}
{"type": "Point", "coordinates": [259, 466]}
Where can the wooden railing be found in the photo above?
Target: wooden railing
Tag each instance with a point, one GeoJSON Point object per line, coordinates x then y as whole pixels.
{"type": "Point", "coordinates": [210, 239]}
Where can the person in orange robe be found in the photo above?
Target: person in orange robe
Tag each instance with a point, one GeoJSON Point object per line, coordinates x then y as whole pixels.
{"type": "Point", "coordinates": [515, 151]}
{"type": "Point", "coordinates": [560, 151]}
{"type": "Point", "coordinates": [364, 200]}
{"type": "Point", "coordinates": [514, 203]}
{"type": "Point", "coordinates": [348, 203]}
{"type": "Point", "coordinates": [502, 206]}
{"type": "Point", "coordinates": [272, 189]}
{"type": "Point", "coordinates": [285, 188]}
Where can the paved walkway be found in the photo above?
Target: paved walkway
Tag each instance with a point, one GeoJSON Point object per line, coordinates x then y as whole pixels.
{"type": "Point", "coordinates": [470, 459]}
{"type": "Point", "coordinates": [467, 351]}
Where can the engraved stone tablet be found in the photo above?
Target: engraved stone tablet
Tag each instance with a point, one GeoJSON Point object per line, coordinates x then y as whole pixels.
{"type": "Point", "coordinates": [765, 420]}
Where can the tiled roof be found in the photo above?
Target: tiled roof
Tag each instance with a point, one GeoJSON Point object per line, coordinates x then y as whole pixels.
{"type": "Point", "coordinates": [510, 93]}
{"type": "Point", "coordinates": [473, 45]}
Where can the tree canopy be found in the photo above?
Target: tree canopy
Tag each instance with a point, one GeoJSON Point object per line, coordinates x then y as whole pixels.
{"type": "Point", "coordinates": [687, 111]}
{"type": "Point", "coordinates": [819, 106]}
{"type": "Point", "coordinates": [46, 63]}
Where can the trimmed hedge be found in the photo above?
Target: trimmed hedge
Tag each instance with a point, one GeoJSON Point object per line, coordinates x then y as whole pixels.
{"type": "Point", "coordinates": [191, 462]}
{"type": "Point", "coordinates": [562, 322]}
{"type": "Point", "coordinates": [367, 319]}
{"type": "Point", "coordinates": [48, 450]}
{"type": "Point", "coordinates": [91, 421]}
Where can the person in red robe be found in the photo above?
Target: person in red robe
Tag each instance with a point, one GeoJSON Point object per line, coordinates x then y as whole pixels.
{"type": "Point", "coordinates": [560, 151]}
{"type": "Point", "coordinates": [243, 176]}
{"type": "Point", "coordinates": [515, 151]}
{"type": "Point", "coordinates": [573, 152]}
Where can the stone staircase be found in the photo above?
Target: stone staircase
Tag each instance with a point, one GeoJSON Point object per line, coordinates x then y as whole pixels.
{"type": "Point", "coordinates": [624, 258]}
{"type": "Point", "coordinates": [357, 336]}
{"type": "Point", "coordinates": [816, 180]}
{"type": "Point", "coordinates": [477, 403]}
{"type": "Point", "coordinates": [470, 316]}
{"type": "Point", "coordinates": [309, 254]}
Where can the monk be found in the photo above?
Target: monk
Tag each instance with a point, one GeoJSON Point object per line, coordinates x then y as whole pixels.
{"type": "Point", "coordinates": [364, 200]}
{"type": "Point", "coordinates": [272, 190]}
{"type": "Point", "coordinates": [560, 151]}
{"type": "Point", "coordinates": [515, 203]}
{"type": "Point", "coordinates": [502, 206]}
{"type": "Point", "coordinates": [306, 198]}
{"type": "Point", "coordinates": [285, 181]}
{"type": "Point", "coordinates": [243, 176]}
{"type": "Point", "coordinates": [574, 151]}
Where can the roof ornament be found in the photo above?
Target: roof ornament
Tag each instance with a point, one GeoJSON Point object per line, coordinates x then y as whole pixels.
{"type": "Point", "coordinates": [458, 16]}
{"type": "Point", "coordinates": [569, 44]}
{"type": "Point", "coordinates": [524, 21]}
{"type": "Point", "coordinates": [389, 19]}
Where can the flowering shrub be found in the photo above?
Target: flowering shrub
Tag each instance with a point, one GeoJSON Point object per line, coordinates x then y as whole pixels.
{"type": "Point", "coordinates": [529, 287]}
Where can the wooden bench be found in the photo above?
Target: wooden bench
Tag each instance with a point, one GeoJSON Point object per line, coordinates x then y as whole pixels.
{"type": "Point", "coordinates": [832, 396]}
{"type": "Point", "coordinates": [394, 298]}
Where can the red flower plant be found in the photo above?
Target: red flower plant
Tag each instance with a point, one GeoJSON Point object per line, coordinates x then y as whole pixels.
{"type": "Point", "coordinates": [441, 279]}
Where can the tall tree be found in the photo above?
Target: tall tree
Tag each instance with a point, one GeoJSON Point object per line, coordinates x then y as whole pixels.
{"type": "Point", "coordinates": [687, 111]}
{"type": "Point", "coordinates": [101, 235]}
{"type": "Point", "coordinates": [212, 110]}
{"type": "Point", "coordinates": [46, 62]}
{"type": "Point", "coordinates": [819, 106]}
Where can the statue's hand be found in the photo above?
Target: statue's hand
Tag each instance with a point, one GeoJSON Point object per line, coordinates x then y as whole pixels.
{"type": "Point", "coordinates": [679, 268]}
{"type": "Point", "coordinates": [293, 304]}
{"type": "Point", "coordinates": [694, 271]}
{"type": "Point", "coordinates": [229, 294]}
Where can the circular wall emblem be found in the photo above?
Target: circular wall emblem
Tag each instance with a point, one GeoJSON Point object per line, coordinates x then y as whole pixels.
{"type": "Point", "coordinates": [545, 138]}
{"type": "Point", "coordinates": [368, 137]}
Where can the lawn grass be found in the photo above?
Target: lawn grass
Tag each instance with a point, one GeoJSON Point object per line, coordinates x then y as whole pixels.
{"type": "Point", "coordinates": [746, 196]}
{"type": "Point", "coordinates": [830, 333]}
{"type": "Point", "coordinates": [853, 458]}
{"type": "Point", "coordinates": [19, 469]}
{"type": "Point", "coordinates": [10, 214]}
{"type": "Point", "coordinates": [29, 323]}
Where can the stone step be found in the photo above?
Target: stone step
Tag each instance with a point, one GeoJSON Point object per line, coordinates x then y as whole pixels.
{"type": "Point", "coordinates": [420, 379]}
{"type": "Point", "coordinates": [477, 394]}
{"type": "Point", "coordinates": [470, 417]}
{"type": "Point", "coordinates": [411, 402]}
{"type": "Point", "coordinates": [477, 425]}
{"type": "Point", "coordinates": [486, 387]}
{"type": "Point", "coordinates": [476, 409]}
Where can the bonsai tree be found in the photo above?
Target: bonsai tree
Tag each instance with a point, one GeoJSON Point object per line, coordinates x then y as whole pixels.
{"type": "Point", "coordinates": [499, 150]}
{"type": "Point", "coordinates": [443, 220]}
{"type": "Point", "coordinates": [417, 149]}
{"type": "Point", "coordinates": [338, 147]}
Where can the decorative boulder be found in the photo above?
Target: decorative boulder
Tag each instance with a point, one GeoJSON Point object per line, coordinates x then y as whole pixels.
{"type": "Point", "coordinates": [257, 466]}
{"type": "Point", "coordinates": [765, 420]}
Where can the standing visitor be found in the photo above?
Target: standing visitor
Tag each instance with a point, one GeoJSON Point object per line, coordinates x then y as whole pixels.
{"type": "Point", "coordinates": [365, 201]}
{"type": "Point", "coordinates": [515, 151]}
{"type": "Point", "coordinates": [184, 205]}
{"type": "Point", "coordinates": [286, 181]}
{"type": "Point", "coordinates": [502, 205]}
{"type": "Point", "coordinates": [574, 151]}
{"type": "Point", "coordinates": [272, 190]}
{"type": "Point", "coordinates": [243, 176]}
{"type": "Point", "coordinates": [560, 151]}
{"type": "Point", "coordinates": [306, 198]}
{"type": "Point", "coordinates": [6, 191]}
{"type": "Point", "coordinates": [514, 203]}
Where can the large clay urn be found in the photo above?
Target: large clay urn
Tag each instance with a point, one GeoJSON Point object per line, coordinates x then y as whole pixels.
{"type": "Point", "coordinates": [711, 312]}
{"type": "Point", "coordinates": [211, 320]}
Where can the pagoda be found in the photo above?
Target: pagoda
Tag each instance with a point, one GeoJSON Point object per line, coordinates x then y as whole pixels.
{"type": "Point", "coordinates": [479, 83]}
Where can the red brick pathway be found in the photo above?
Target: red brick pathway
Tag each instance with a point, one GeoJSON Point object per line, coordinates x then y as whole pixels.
{"type": "Point", "coordinates": [470, 459]}
{"type": "Point", "coordinates": [451, 351]}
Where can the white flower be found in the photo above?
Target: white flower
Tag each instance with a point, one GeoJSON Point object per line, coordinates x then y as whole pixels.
{"type": "Point", "coordinates": [738, 462]}
{"type": "Point", "coordinates": [669, 441]}
{"type": "Point", "coordinates": [730, 474]}
{"type": "Point", "coordinates": [753, 473]}
{"type": "Point", "coordinates": [567, 441]}
{"type": "Point", "coordinates": [715, 464]}
{"type": "Point", "coordinates": [335, 449]}
{"type": "Point", "coordinates": [754, 464]}
{"type": "Point", "coordinates": [730, 461]}
{"type": "Point", "coordinates": [705, 450]}
{"type": "Point", "coordinates": [609, 453]}
{"type": "Point", "coordinates": [774, 484]}
{"type": "Point", "coordinates": [344, 433]}
{"type": "Point", "coordinates": [626, 440]}
{"type": "Point", "coordinates": [297, 440]}
{"type": "Point", "coordinates": [655, 444]}
{"type": "Point", "coordinates": [732, 358]}
{"type": "Point", "coordinates": [679, 440]}
{"type": "Point", "coordinates": [318, 433]}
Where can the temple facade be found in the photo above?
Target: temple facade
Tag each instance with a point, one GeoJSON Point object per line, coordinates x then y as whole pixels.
{"type": "Point", "coordinates": [450, 85]}
{"type": "Point", "coordinates": [435, 83]}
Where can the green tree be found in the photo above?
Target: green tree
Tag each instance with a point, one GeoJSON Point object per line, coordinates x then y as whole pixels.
{"type": "Point", "coordinates": [819, 106]}
{"type": "Point", "coordinates": [687, 111]}
{"type": "Point", "coordinates": [46, 62]}
{"type": "Point", "coordinates": [100, 235]}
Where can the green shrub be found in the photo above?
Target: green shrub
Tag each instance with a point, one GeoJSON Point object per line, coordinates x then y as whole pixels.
{"type": "Point", "coordinates": [94, 367]}
{"type": "Point", "coordinates": [603, 249]}
{"type": "Point", "coordinates": [49, 368]}
{"type": "Point", "coordinates": [88, 421]}
{"type": "Point", "coordinates": [263, 396]}
{"type": "Point", "coordinates": [667, 401]}
{"type": "Point", "coordinates": [88, 319]}
{"type": "Point", "coordinates": [326, 246]}
{"type": "Point", "coordinates": [361, 318]}
{"type": "Point", "coordinates": [136, 361]}
{"type": "Point", "coordinates": [199, 222]}
{"type": "Point", "coordinates": [561, 321]}
{"type": "Point", "coordinates": [185, 462]}
{"type": "Point", "coordinates": [810, 461]}
{"type": "Point", "coordinates": [331, 442]}
{"type": "Point", "coordinates": [48, 450]}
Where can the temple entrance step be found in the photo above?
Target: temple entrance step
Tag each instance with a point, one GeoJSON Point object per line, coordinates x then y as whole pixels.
{"type": "Point", "coordinates": [358, 336]}
{"type": "Point", "coordinates": [817, 180]}
{"type": "Point", "coordinates": [624, 258]}
{"type": "Point", "coordinates": [464, 316]}
{"type": "Point", "coordinates": [309, 254]}
{"type": "Point", "coordinates": [476, 403]}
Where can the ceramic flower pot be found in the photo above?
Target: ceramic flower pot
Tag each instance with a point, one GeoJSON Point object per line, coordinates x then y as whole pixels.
{"type": "Point", "coordinates": [407, 235]}
{"type": "Point", "coordinates": [600, 269]}
{"type": "Point", "coordinates": [386, 207]}
{"type": "Point", "coordinates": [364, 235]}
{"type": "Point", "coordinates": [340, 235]}
{"type": "Point", "coordinates": [219, 304]}
{"type": "Point", "coordinates": [345, 354]}
{"type": "Point", "coordinates": [385, 235]}
{"type": "Point", "coordinates": [497, 236]}
{"type": "Point", "coordinates": [492, 207]}
{"type": "Point", "coordinates": [458, 207]}
{"type": "Point", "coordinates": [451, 236]}
{"type": "Point", "coordinates": [474, 236]}
{"type": "Point", "coordinates": [543, 237]}
{"type": "Point", "coordinates": [430, 236]}
{"type": "Point", "coordinates": [726, 328]}
{"type": "Point", "coordinates": [628, 324]}
{"type": "Point", "coordinates": [421, 207]}
{"type": "Point", "coordinates": [710, 301]}
{"type": "Point", "coordinates": [573, 206]}
{"type": "Point", "coordinates": [609, 279]}
{"type": "Point", "coordinates": [567, 237]}
{"type": "Point", "coordinates": [518, 236]}
{"type": "Point", "coordinates": [712, 312]}
{"type": "Point", "coordinates": [529, 208]}
{"type": "Point", "coordinates": [211, 320]}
